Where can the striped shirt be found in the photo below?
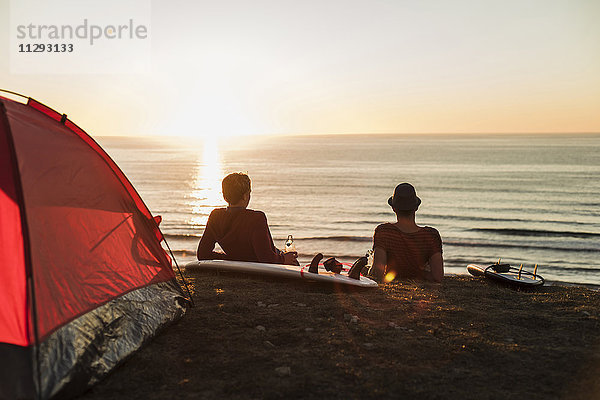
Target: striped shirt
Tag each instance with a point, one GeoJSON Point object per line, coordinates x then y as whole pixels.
{"type": "Point", "coordinates": [408, 254]}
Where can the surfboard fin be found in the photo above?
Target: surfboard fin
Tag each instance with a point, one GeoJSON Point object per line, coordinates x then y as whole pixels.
{"type": "Point", "coordinates": [357, 268]}
{"type": "Point", "coordinates": [520, 269]}
{"type": "Point", "coordinates": [314, 264]}
{"type": "Point", "coordinates": [535, 271]}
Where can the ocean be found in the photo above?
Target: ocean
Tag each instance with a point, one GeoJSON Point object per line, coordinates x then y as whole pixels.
{"type": "Point", "coordinates": [531, 199]}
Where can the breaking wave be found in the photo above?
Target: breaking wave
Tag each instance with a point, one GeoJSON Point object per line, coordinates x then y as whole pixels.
{"type": "Point", "coordinates": [537, 233]}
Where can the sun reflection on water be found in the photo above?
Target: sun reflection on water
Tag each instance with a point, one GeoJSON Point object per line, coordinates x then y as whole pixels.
{"type": "Point", "coordinates": [206, 189]}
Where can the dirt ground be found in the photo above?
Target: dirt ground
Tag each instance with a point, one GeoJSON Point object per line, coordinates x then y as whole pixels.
{"type": "Point", "coordinates": [254, 338]}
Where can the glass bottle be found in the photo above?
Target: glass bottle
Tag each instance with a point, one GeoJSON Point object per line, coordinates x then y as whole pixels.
{"type": "Point", "coordinates": [289, 244]}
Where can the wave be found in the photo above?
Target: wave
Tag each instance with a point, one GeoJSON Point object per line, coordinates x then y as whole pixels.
{"type": "Point", "coordinates": [511, 232]}
{"type": "Point", "coordinates": [362, 222]}
{"type": "Point", "coordinates": [181, 236]}
{"type": "Point", "coordinates": [555, 266]}
{"type": "Point", "coordinates": [572, 269]}
{"type": "Point", "coordinates": [492, 219]}
{"type": "Point", "coordinates": [591, 205]}
{"type": "Point", "coordinates": [521, 246]}
{"type": "Point", "coordinates": [536, 232]}
{"type": "Point", "coordinates": [340, 238]}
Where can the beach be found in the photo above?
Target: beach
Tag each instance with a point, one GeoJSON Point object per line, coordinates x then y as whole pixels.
{"type": "Point", "coordinates": [248, 337]}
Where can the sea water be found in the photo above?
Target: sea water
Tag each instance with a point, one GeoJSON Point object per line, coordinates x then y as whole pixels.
{"type": "Point", "coordinates": [531, 199]}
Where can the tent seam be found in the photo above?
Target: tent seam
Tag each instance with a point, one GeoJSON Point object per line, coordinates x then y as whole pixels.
{"type": "Point", "coordinates": [32, 305]}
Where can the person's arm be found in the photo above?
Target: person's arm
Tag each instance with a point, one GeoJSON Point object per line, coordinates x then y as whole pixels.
{"type": "Point", "coordinates": [377, 272]}
{"type": "Point", "coordinates": [436, 261]}
{"type": "Point", "coordinates": [436, 264]}
{"type": "Point", "coordinates": [206, 246]}
{"type": "Point", "coordinates": [262, 242]}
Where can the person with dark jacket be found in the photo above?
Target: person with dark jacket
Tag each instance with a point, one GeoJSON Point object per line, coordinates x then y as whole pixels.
{"type": "Point", "coordinates": [243, 234]}
{"type": "Point", "coordinates": [405, 250]}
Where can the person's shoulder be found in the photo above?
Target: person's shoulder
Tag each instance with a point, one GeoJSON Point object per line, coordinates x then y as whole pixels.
{"type": "Point", "coordinates": [257, 214]}
{"type": "Point", "coordinates": [385, 226]}
{"type": "Point", "coordinates": [431, 230]}
{"type": "Point", "coordinates": [215, 218]}
{"type": "Point", "coordinates": [217, 212]}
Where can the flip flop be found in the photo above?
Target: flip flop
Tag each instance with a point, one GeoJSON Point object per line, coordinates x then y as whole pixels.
{"type": "Point", "coordinates": [333, 265]}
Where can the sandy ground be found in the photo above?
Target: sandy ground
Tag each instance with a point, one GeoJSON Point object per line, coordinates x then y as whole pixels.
{"type": "Point", "coordinates": [249, 337]}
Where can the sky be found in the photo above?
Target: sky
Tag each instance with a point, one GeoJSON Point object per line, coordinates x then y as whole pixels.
{"type": "Point", "coordinates": [223, 68]}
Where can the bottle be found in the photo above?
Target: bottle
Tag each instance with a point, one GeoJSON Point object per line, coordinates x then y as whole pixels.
{"type": "Point", "coordinates": [370, 257]}
{"type": "Point", "coordinates": [289, 244]}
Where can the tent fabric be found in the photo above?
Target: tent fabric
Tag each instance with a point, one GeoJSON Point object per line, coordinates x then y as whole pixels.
{"type": "Point", "coordinates": [114, 251]}
{"type": "Point", "coordinates": [75, 238]}
{"type": "Point", "coordinates": [113, 331]}
{"type": "Point", "coordinates": [14, 322]}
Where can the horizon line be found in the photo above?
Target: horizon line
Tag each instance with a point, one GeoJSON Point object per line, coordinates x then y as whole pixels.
{"type": "Point", "coordinates": [355, 134]}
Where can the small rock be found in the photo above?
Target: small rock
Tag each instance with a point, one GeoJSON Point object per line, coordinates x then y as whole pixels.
{"type": "Point", "coordinates": [260, 328]}
{"type": "Point", "coordinates": [283, 371]}
{"type": "Point", "coordinates": [261, 304]}
{"type": "Point", "coordinates": [351, 318]}
{"type": "Point", "coordinates": [393, 325]}
{"type": "Point", "coordinates": [369, 345]}
{"type": "Point", "coordinates": [587, 314]}
{"type": "Point", "coordinates": [301, 304]}
{"type": "Point", "coordinates": [308, 329]}
{"type": "Point", "coordinates": [411, 330]}
{"type": "Point", "coordinates": [272, 305]}
{"type": "Point", "coordinates": [509, 340]}
{"type": "Point", "coordinates": [269, 344]}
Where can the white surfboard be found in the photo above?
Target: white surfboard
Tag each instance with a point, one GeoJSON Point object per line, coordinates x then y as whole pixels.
{"type": "Point", "coordinates": [280, 270]}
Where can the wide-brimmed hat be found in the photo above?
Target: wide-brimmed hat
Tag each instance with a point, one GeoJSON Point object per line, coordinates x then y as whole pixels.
{"type": "Point", "coordinates": [404, 198]}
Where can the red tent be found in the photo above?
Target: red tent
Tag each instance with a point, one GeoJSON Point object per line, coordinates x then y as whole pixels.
{"type": "Point", "coordinates": [84, 280]}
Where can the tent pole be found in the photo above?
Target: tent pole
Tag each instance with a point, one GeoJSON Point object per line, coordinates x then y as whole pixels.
{"type": "Point", "coordinates": [14, 93]}
{"type": "Point", "coordinates": [180, 274]}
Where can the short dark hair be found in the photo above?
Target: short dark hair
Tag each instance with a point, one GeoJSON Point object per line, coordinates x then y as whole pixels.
{"type": "Point", "coordinates": [405, 213]}
{"type": "Point", "coordinates": [235, 186]}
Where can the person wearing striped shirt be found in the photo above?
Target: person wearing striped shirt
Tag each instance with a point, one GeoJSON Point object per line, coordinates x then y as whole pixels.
{"type": "Point", "coordinates": [405, 250]}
